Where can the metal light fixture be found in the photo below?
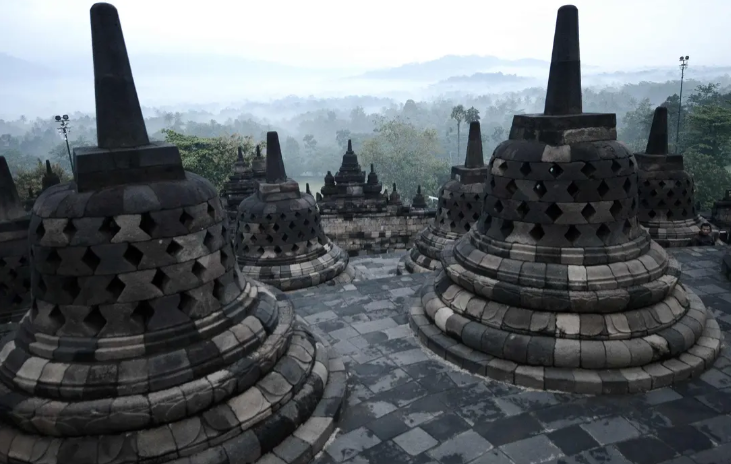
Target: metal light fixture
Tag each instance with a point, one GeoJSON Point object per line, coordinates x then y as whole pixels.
{"type": "Point", "coordinates": [683, 64]}
{"type": "Point", "coordinates": [64, 129]}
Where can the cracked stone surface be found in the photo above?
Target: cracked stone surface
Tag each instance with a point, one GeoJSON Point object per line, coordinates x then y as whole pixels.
{"type": "Point", "coordinates": [407, 408]}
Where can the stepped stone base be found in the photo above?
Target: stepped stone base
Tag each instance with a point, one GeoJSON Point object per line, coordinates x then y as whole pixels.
{"type": "Point", "coordinates": [672, 234]}
{"type": "Point", "coordinates": [286, 416]}
{"type": "Point", "coordinates": [332, 268]}
{"type": "Point", "coordinates": [598, 366]}
{"type": "Point", "coordinates": [424, 255]}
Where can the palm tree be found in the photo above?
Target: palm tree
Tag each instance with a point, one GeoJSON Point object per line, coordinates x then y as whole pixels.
{"type": "Point", "coordinates": [458, 114]}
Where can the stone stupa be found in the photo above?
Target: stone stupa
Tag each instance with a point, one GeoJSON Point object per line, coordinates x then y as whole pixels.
{"type": "Point", "coordinates": [348, 191]}
{"type": "Point", "coordinates": [14, 262]}
{"type": "Point", "coordinates": [240, 185]}
{"type": "Point", "coordinates": [558, 287]}
{"type": "Point", "coordinates": [279, 238]}
{"type": "Point", "coordinates": [144, 343]}
{"type": "Point", "coordinates": [459, 207]}
{"type": "Point", "coordinates": [666, 191]}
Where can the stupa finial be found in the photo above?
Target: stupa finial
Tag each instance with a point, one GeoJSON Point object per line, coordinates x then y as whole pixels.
{"type": "Point", "coordinates": [563, 93]}
{"type": "Point", "coordinates": [657, 143]}
{"type": "Point", "coordinates": [474, 157]}
{"type": "Point", "coordinates": [275, 164]}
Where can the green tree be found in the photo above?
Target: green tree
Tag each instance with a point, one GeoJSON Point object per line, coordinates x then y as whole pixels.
{"type": "Point", "coordinates": [708, 123]}
{"type": "Point", "coordinates": [635, 127]}
{"type": "Point", "coordinates": [405, 155]}
{"type": "Point", "coordinates": [472, 115]}
{"type": "Point", "coordinates": [458, 114]}
{"type": "Point", "coordinates": [711, 179]}
{"type": "Point", "coordinates": [211, 158]}
{"type": "Point", "coordinates": [341, 137]}
{"type": "Point", "coordinates": [32, 178]}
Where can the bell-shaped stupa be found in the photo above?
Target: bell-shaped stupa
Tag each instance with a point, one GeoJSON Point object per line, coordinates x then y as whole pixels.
{"type": "Point", "coordinates": [279, 239]}
{"type": "Point", "coordinates": [666, 190]}
{"type": "Point", "coordinates": [240, 185]}
{"type": "Point", "coordinates": [459, 207]}
{"type": "Point", "coordinates": [14, 262]}
{"type": "Point", "coordinates": [419, 202]}
{"type": "Point", "coordinates": [144, 343]}
{"type": "Point", "coordinates": [558, 287]}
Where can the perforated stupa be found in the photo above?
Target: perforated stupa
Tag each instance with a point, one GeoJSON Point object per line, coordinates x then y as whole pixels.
{"type": "Point", "coordinates": [558, 287]}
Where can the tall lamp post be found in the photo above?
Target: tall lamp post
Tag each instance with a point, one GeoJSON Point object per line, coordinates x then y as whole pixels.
{"type": "Point", "coordinates": [63, 129]}
{"type": "Point", "coordinates": [683, 65]}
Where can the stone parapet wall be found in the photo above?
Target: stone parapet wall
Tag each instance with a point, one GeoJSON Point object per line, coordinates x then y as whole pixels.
{"type": "Point", "coordinates": [377, 232]}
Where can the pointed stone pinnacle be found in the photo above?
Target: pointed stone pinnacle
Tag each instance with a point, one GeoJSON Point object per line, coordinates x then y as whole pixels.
{"type": "Point", "coordinates": [9, 201]}
{"type": "Point", "coordinates": [372, 170]}
{"type": "Point", "coordinates": [350, 147]}
{"type": "Point", "coordinates": [657, 143]}
{"type": "Point", "coordinates": [258, 151]}
{"type": "Point", "coordinates": [418, 190]}
{"type": "Point", "coordinates": [473, 157]}
{"type": "Point", "coordinates": [275, 163]}
{"type": "Point", "coordinates": [119, 122]}
{"type": "Point", "coordinates": [241, 154]}
{"type": "Point", "coordinates": [307, 188]}
{"type": "Point", "coordinates": [394, 186]}
{"type": "Point", "coordinates": [563, 93]}
{"type": "Point", "coordinates": [48, 167]}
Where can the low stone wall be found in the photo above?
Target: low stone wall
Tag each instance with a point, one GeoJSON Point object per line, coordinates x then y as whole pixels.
{"type": "Point", "coordinates": [371, 233]}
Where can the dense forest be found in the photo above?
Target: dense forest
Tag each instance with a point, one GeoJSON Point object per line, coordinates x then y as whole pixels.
{"type": "Point", "coordinates": [411, 143]}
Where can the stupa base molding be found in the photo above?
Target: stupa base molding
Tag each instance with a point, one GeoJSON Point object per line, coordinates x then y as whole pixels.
{"type": "Point", "coordinates": [589, 366]}
{"type": "Point", "coordinates": [414, 262]}
{"type": "Point", "coordinates": [671, 234]}
{"type": "Point", "coordinates": [332, 268]}
{"type": "Point", "coordinates": [425, 254]}
{"type": "Point", "coordinates": [287, 416]}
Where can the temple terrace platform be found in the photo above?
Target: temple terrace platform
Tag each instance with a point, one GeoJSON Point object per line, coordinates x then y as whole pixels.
{"type": "Point", "coordinates": [406, 405]}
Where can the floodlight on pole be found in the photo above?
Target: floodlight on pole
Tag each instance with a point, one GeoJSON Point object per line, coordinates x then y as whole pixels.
{"type": "Point", "coordinates": [683, 64]}
{"type": "Point", "coordinates": [64, 129]}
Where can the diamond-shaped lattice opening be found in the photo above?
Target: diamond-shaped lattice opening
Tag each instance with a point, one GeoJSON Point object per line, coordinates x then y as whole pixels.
{"type": "Point", "coordinates": [603, 232]}
{"type": "Point", "coordinates": [282, 216]}
{"type": "Point", "coordinates": [499, 206]}
{"type": "Point", "coordinates": [69, 230]}
{"type": "Point", "coordinates": [492, 182]}
{"type": "Point", "coordinates": [506, 228]}
{"type": "Point", "coordinates": [211, 211]}
{"type": "Point", "coordinates": [669, 215]}
{"type": "Point", "coordinates": [627, 186]}
{"type": "Point", "coordinates": [616, 208]}
{"type": "Point", "coordinates": [602, 189]}
{"type": "Point", "coordinates": [143, 312]}
{"type": "Point", "coordinates": [678, 202]}
{"type": "Point", "coordinates": [198, 270]}
{"type": "Point", "coordinates": [468, 205]}
{"type": "Point", "coordinates": [554, 212]}
{"type": "Point", "coordinates": [297, 214]}
{"type": "Point", "coordinates": [626, 227]}
{"type": "Point", "coordinates": [588, 170]}
{"type": "Point", "coordinates": [588, 212]}
{"type": "Point", "coordinates": [684, 192]}
{"type": "Point", "coordinates": [661, 183]}
{"type": "Point", "coordinates": [661, 203]}
{"type": "Point", "coordinates": [41, 285]}
{"type": "Point", "coordinates": [116, 287]}
{"type": "Point", "coordinates": [616, 167]}
{"type": "Point", "coordinates": [109, 227]}
{"type": "Point", "coordinates": [511, 187]}
{"type": "Point", "coordinates": [295, 248]}
{"type": "Point", "coordinates": [147, 224]}
{"type": "Point", "coordinates": [467, 226]}
{"type": "Point", "coordinates": [634, 204]}
{"type": "Point", "coordinates": [292, 225]}
{"type": "Point", "coordinates": [270, 239]}
{"type": "Point", "coordinates": [90, 259]}
{"type": "Point", "coordinates": [488, 222]}
{"type": "Point", "coordinates": [71, 288]}
{"type": "Point", "coordinates": [186, 219]}
{"type": "Point", "coordinates": [56, 317]}
{"type": "Point", "coordinates": [540, 189]}
{"type": "Point", "coordinates": [277, 249]}
{"type": "Point", "coordinates": [684, 212]}
{"type": "Point", "coordinates": [285, 237]}
{"type": "Point", "coordinates": [572, 189]}
{"type": "Point", "coordinates": [254, 239]}
{"type": "Point", "coordinates": [476, 197]}
{"type": "Point", "coordinates": [678, 184]}
{"type": "Point", "coordinates": [460, 215]}
{"type": "Point", "coordinates": [502, 167]}
{"type": "Point", "coordinates": [160, 280]}
{"type": "Point", "coordinates": [523, 209]}
{"type": "Point", "coordinates": [646, 183]}
{"type": "Point", "coordinates": [209, 241]}
{"type": "Point", "coordinates": [475, 216]}
{"type": "Point", "coordinates": [187, 303]}
{"type": "Point", "coordinates": [652, 213]}
{"type": "Point", "coordinates": [94, 320]}
{"type": "Point", "coordinates": [671, 194]}
{"type": "Point", "coordinates": [172, 249]}
{"type": "Point", "coordinates": [306, 222]}
{"type": "Point", "coordinates": [653, 193]}
{"type": "Point", "coordinates": [572, 234]}
{"type": "Point", "coordinates": [525, 168]}
{"type": "Point", "coordinates": [537, 232]}
{"type": "Point", "coordinates": [53, 259]}
{"type": "Point", "coordinates": [40, 230]}
{"type": "Point", "coordinates": [268, 217]}
{"type": "Point", "coordinates": [555, 170]}
{"type": "Point", "coordinates": [631, 163]}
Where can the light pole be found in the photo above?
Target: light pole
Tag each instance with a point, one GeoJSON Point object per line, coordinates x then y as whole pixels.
{"type": "Point", "coordinates": [64, 129]}
{"type": "Point", "coordinates": [683, 65]}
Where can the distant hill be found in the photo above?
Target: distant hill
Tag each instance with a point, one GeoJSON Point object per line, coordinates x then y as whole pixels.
{"type": "Point", "coordinates": [16, 69]}
{"type": "Point", "coordinates": [448, 66]}
{"type": "Point", "coordinates": [485, 78]}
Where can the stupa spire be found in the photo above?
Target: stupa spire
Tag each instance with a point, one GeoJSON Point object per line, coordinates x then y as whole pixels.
{"type": "Point", "coordinates": [275, 163]}
{"type": "Point", "coordinates": [657, 143]}
{"type": "Point", "coordinates": [10, 207]}
{"type": "Point", "coordinates": [241, 155]}
{"type": "Point", "coordinates": [474, 157]}
{"type": "Point", "coordinates": [119, 122]}
{"type": "Point", "coordinates": [563, 93]}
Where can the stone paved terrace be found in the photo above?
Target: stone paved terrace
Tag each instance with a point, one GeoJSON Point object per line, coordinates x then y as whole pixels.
{"type": "Point", "coordinates": [407, 406]}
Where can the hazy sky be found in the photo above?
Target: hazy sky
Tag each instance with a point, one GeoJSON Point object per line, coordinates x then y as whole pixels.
{"type": "Point", "coordinates": [377, 33]}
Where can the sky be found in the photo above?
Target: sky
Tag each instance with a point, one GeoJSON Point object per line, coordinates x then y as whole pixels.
{"type": "Point", "coordinates": [373, 34]}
